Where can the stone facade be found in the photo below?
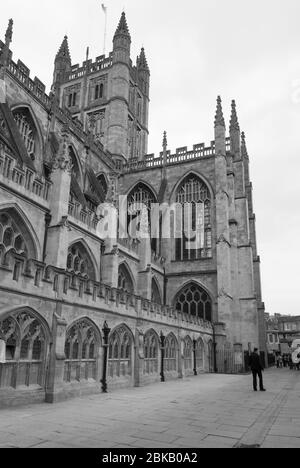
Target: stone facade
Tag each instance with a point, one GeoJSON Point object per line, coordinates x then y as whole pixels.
{"type": "Point", "coordinates": [74, 304]}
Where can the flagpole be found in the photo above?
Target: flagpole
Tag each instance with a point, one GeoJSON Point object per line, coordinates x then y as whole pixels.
{"type": "Point", "coordinates": [104, 8]}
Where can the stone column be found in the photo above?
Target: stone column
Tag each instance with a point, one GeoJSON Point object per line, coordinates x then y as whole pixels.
{"type": "Point", "coordinates": [139, 358]}
{"type": "Point", "coordinates": [222, 222]}
{"type": "Point", "coordinates": [55, 378]}
{"type": "Point", "coordinates": [57, 241]}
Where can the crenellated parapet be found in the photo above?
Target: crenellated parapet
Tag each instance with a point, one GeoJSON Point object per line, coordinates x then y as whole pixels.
{"type": "Point", "coordinates": [181, 156]}
{"type": "Point", "coordinates": [22, 178]}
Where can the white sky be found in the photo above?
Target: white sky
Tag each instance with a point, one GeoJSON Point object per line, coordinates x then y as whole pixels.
{"type": "Point", "coordinates": [248, 51]}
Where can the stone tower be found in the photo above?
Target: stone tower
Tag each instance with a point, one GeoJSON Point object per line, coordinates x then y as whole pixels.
{"type": "Point", "coordinates": [109, 96]}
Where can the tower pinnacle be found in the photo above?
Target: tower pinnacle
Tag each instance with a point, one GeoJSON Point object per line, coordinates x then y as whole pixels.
{"type": "Point", "coordinates": [64, 51]}
{"type": "Point", "coordinates": [122, 27]}
{"type": "Point", "coordinates": [219, 120]}
{"type": "Point", "coordinates": [142, 63]}
{"type": "Point", "coordinates": [9, 33]}
{"type": "Point", "coordinates": [165, 141]}
{"type": "Point", "coordinates": [244, 146]}
{"type": "Point", "coordinates": [234, 123]}
{"type": "Point", "coordinates": [5, 52]}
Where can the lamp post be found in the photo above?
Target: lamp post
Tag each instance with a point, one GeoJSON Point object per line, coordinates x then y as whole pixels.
{"type": "Point", "coordinates": [195, 356]}
{"type": "Point", "coordinates": [162, 344]}
{"type": "Point", "coordinates": [106, 332]}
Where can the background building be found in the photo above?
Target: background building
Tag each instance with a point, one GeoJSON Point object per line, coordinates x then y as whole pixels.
{"type": "Point", "coordinates": [64, 288]}
{"type": "Point", "coordinates": [282, 330]}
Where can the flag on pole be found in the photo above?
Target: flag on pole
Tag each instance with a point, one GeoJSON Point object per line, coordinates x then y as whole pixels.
{"type": "Point", "coordinates": [104, 8]}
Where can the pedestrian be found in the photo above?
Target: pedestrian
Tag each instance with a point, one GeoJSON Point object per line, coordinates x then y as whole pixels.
{"type": "Point", "coordinates": [257, 370]}
{"type": "Point", "coordinates": [277, 361]}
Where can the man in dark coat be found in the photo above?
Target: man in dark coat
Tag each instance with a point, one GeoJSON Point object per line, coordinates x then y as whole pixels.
{"type": "Point", "coordinates": [257, 370]}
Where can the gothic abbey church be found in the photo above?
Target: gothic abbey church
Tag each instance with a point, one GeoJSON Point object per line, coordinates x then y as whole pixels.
{"type": "Point", "coordinates": [81, 314]}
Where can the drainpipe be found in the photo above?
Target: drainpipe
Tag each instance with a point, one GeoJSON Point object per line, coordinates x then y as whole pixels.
{"type": "Point", "coordinates": [195, 357]}
{"type": "Point", "coordinates": [48, 218]}
{"type": "Point", "coordinates": [165, 286]}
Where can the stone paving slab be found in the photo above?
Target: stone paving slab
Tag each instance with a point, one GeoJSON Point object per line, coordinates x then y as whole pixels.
{"type": "Point", "coordinates": [208, 411]}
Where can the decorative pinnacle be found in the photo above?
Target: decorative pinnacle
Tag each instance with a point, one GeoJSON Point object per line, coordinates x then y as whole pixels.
{"type": "Point", "coordinates": [142, 61]}
{"type": "Point", "coordinates": [165, 141]}
{"type": "Point", "coordinates": [234, 123]}
{"type": "Point", "coordinates": [219, 120]}
{"type": "Point", "coordinates": [9, 33]}
{"type": "Point", "coordinates": [244, 146]}
{"type": "Point", "coordinates": [123, 27]}
{"type": "Point", "coordinates": [64, 51]}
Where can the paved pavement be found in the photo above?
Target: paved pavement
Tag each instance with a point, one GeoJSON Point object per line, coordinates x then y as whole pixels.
{"type": "Point", "coordinates": [209, 411]}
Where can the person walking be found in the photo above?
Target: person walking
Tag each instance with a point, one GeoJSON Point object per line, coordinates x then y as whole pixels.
{"type": "Point", "coordinates": [257, 370]}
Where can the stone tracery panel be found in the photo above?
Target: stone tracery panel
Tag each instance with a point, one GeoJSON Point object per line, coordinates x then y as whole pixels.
{"type": "Point", "coordinates": [151, 347]}
{"type": "Point", "coordinates": [26, 350]}
{"type": "Point", "coordinates": [81, 352]}
{"type": "Point", "coordinates": [120, 353]}
{"type": "Point", "coordinates": [171, 351]}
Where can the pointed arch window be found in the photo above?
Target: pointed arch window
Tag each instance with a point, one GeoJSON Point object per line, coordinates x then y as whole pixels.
{"type": "Point", "coordinates": [188, 353]}
{"type": "Point", "coordinates": [13, 237]}
{"type": "Point", "coordinates": [194, 196]}
{"type": "Point", "coordinates": [194, 301]}
{"type": "Point", "coordinates": [200, 354]}
{"type": "Point", "coordinates": [120, 353]}
{"type": "Point", "coordinates": [155, 293]}
{"type": "Point", "coordinates": [171, 354]}
{"type": "Point", "coordinates": [27, 130]}
{"type": "Point", "coordinates": [151, 346]}
{"type": "Point", "coordinates": [26, 350]}
{"type": "Point", "coordinates": [140, 202]}
{"type": "Point", "coordinates": [81, 352]}
{"type": "Point", "coordinates": [79, 261]}
{"type": "Point", "coordinates": [125, 282]}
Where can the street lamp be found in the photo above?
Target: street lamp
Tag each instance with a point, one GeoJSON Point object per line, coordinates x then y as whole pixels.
{"type": "Point", "coordinates": [162, 344]}
{"type": "Point", "coordinates": [106, 331]}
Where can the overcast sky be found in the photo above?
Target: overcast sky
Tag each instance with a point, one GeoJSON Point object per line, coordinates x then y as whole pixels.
{"type": "Point", "coordinates": [243, 50]}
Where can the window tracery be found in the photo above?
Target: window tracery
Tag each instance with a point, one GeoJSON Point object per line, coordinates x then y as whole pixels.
{"type": "Point", "coordinates": [171, 353]}
{"type": "Point", "coordinates": [11, 236]}
{"type": "Point", "coordinates": [151, 346]}
{"type": "Point", "coordinates": [193, 191]}
{"type": "Point", "coordinates": [194, 301]}
{"type": "Point", "coordinates": [27, 130]}
{"type": "Point", "coordinates": [81, 349]}
{"type": "Point", "coordinates": [79, 262]}
{"type": "Point", "coordinates": [120, 353]}
{"type": "Point", "coordinates": [26, 350]}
